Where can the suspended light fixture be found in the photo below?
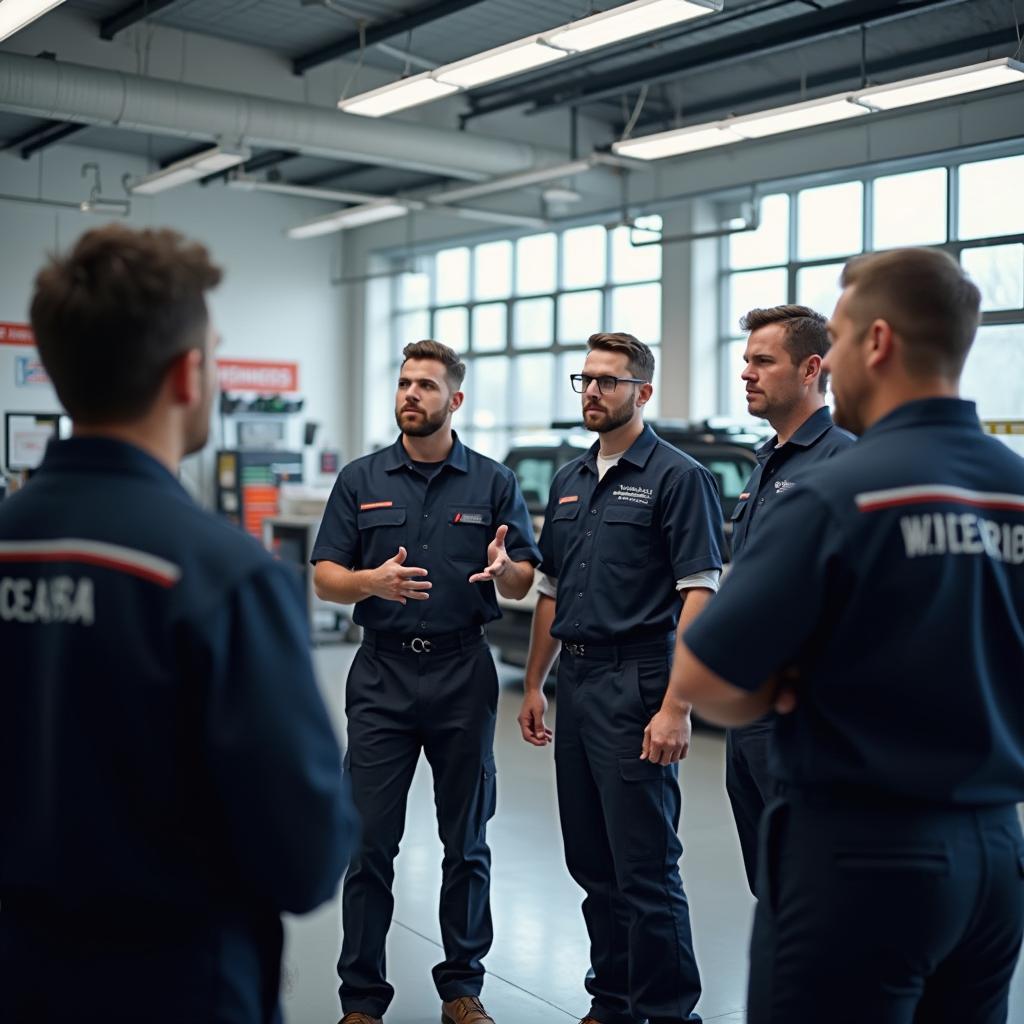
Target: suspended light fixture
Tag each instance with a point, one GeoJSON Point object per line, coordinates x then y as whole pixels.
{"type": "Point", "coordinates": [192, 168]}
{"type": "Point", "coordinates": [16, 14]}
{"type": "Point", "coordinates": [623, 22]}
{"type": "Point", "coordinates": [350, 217]}
{"type": "Point", "coordinates": [827, 110]}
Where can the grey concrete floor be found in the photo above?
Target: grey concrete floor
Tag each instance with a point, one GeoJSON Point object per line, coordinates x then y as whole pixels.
{"type": "Point", "coordinates": [540, 954]}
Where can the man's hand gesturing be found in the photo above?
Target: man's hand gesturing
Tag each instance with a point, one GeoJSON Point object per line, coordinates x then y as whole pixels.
{"type": "Point", "coordinates": [395, 581]}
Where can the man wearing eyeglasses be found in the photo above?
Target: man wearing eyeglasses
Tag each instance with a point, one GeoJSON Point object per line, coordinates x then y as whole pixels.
{"type": "Point", "coordinates": [631, 552]}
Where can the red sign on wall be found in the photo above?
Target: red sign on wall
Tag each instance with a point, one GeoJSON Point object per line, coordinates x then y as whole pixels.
{"type": "Point", "coordinates": [16, 334]}
{"type": "Point", "coordinates": [257, 375]}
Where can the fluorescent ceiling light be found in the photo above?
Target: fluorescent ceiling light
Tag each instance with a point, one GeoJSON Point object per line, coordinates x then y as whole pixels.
{"type": "Point", "coordinates": [957, 82]}
{"type": "Point", "coordinates": [114, 207]}
{"type": "Point", "coordinates": [626, 21]}
{"type": "Point", "coordinates": [351, 217]}
{"type": "Point", "coordinates": [408, 92]}
{"type": "Point", "coordinates": [497, 63]}
{"type": "Point", "coordinates": [795, 117]}
{"type": "Point", "coordinates": [676, 142]}
{"type": "Point", "coordinates": [16, 14]}
{"type": "Point", "coordinates": [192, 168]}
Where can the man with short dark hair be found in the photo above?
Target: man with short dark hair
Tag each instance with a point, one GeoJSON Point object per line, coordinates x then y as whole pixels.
{"type": "Point", "coordinates": [893, 583]}
{"type": "Point", "coordinates": [169, 779]}
{"type": "Point", "coordinates": [423, 678]}
{"type": "Point", "coordinates": [631, 554]}
{"type": "Point", "coordinates": [785, 385]}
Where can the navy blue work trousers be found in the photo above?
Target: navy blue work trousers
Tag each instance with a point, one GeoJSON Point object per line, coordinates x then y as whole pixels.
{"type": "Point", "coordinates": [750, 786]}
{"type": "Point", "coordinates": [399, 703]}
{"type": "Point", "coordinates": [619, 818]}
{"type": "Point", "coordinates": [884, 912]}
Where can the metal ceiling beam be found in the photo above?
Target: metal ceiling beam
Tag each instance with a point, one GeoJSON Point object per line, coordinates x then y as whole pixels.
{"type": "Point", "coordinates": [379, 33]}
{"type": "Point", "coordinates": [781, 35]}
{"type": "Point", "coordinates": [127, 17]}
{"type": "Point", "coordinates": [737, 101]}
{"type": "Point", "coordinates": [39, 138]}
{"type": "Point", "coordinates": [260, 162]}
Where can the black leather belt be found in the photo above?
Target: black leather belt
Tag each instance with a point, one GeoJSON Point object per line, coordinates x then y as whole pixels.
{"type": "Point", "coordinates": [397, 643]}
{"type": "Point", "coordinates": [619, 652]}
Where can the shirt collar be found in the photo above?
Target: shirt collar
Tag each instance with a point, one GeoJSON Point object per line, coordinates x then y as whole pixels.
{"type": "Point", "coordinates": [928, 412]}
{"type": "Point", "coordinates": [807, 434]}
{"type": "Point", "coordinates": [398, 458]}
{"type": "Point", "coordinates": [106, 454]}
{"type": "Point", "coordinates": [637, 453]}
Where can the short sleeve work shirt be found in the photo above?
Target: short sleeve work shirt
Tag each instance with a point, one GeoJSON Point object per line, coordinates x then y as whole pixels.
{"type": "Point", "coordinates": [382, 501]}
{"type": "Point", "coordinates": [892, 579]}
{"type": "Point", "coordinates": [779, 466]}
{"type": "Point", "coordinates": [617, 546]}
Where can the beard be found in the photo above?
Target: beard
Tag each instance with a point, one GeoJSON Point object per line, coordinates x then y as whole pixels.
{"type": "Point", "coordinates": [609, 420]}
{"type": "Point", "coordinates": [423, 425]}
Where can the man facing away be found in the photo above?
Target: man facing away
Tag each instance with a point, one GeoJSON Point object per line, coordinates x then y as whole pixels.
{"type": "Point", "coordinates": [169, 779]}
{"type": "Point", "coordinates": [631, 554]}
{"type": "Point", "coordinates": [891, 887]}
{"type": "Point", "coordinates": [404, 536]}
{"type": "Point", "coordinates": [785, 385]}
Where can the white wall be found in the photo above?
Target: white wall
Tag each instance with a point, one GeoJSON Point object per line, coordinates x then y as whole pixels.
{"type": "Point", "coordinates": [276, 300]}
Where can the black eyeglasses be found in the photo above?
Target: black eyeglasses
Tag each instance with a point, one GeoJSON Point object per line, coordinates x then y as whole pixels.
{"type": "Point", "coordinates": [606, 384]}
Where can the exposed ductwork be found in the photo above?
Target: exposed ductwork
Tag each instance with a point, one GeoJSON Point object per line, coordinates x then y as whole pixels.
{"type": "Point", "coordinates": [76, 93]}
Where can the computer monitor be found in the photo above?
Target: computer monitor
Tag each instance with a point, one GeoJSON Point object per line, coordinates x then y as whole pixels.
{"type": "Point", "coordinates": [26, 435]}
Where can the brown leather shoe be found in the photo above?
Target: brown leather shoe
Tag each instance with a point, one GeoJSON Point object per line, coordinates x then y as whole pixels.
{"type": "Point", "coordinates": [358, 1017]}
{"type": "Point", "coordinates": [465, 1010]}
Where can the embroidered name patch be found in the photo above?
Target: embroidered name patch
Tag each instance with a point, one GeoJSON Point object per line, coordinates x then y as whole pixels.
{"type": "Point", "coordinates": [471, 518]}
{"type": "Point", "coordinates": [375, 504]}
{"type": "Point", "coordinates": [568, 498]}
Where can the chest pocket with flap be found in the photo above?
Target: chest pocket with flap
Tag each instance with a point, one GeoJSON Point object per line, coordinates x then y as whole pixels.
{"type": "Point", "coordinates": [626, 535]}
{"type": "Point", "coordinates": [467, 533]}
{"type": "Point", "coordinates": [381, 532]}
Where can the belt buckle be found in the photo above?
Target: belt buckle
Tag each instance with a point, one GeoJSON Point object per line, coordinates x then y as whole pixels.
{"type": "Point", "coordinates": [576, 650]}
{"type": "Point", "coordinates": [420, 646]}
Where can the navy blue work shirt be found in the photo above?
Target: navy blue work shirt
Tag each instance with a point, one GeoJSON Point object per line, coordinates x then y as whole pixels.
{"type": "Point", "coordinates": [892, 579]}
{"type": "Point", "coordinates": [168, 770]}
{"type": "Point", "coordinates": [778, 466]}
{"type": "Point", "coordinates": [444, 520]}
{"type": "Point", "coordinates": [618, 546]}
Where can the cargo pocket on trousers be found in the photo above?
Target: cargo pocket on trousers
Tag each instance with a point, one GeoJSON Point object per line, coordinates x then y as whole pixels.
{"type": "Point", "coordinates": [645, 793]}
{"type": "Point", "coordinates": [488, 791]}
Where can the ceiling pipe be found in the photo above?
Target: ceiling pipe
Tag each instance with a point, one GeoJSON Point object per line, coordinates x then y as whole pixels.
{"type": "Point", "coordinates": [86, 95]}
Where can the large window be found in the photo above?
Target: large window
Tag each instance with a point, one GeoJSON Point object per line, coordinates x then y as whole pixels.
{"type": "Point", "coordinates": [521, 311]}
{"type": "Point", "coordinates": [973, 209]}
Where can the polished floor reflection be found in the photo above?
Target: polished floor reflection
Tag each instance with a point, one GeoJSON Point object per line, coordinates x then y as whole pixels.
{"type": "Point", "coordinates": [539, 957]}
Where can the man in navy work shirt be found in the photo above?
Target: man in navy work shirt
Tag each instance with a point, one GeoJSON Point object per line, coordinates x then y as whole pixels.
{"type": "Point", "coordinates": [169, 779]}
{"type": "Point", "coordinates": [405, 537]}
{"type": "Point", "coordinates": [891, 887]}
{"type": "Point", "coordinates": [631, 551]}
{"type": "Point", "coordinates": [786, 386]}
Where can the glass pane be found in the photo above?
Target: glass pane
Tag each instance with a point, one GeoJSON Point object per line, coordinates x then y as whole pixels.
{"type": "Point", "coordinates": [487, 385]}
{"type": "Point", "coordinates": [752, 290]}
{"type": "Point", "coordinates": [910, 209]}
{"type": "Point", "coordinates": [998, 271]}
{"type": "Point", "coordinates": [583, 257]}
{"type": "Point", "coordinates": [413, 291]}
{"type": "Point", "coordinates": [410, 327]}
{"type": "Point", "coordinates": [830, 220]}
{"type": "Point", "coordinates": [452, 275]}
{"type": "Point", "coordinates": [492, 270]}
{"type": "Point", "coordinates": [533, 390]}
{"type": "Point", "coordinates": [492, 443]}
{"type": "Point", "coordinates": [567, 402]}
{"type": "Point", "coordinates": [637, 311]}
{"type": "Point", "coordinates": [532, 323]}
{"type": "Point", "coordinates": [991, 198]}
{"type": "Point", "coordinates": [818, 287]}
{"type": "Point", "coordinates": [536, 264]}
{"type": "Point", "coordinates": [451, 327]}
{"type": "Point", "coordinates": [988, 378]}
{"type": "Point", "coordinates": [579, 316]}
{"type": "Point", "coordinates": [653, 407]}
{"type": "Point", "coordinates": [630, 263]}
{"type": "Point", "coordinates": [490, 325]}
{"type": "Point", "coordinates": [769, 243]}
